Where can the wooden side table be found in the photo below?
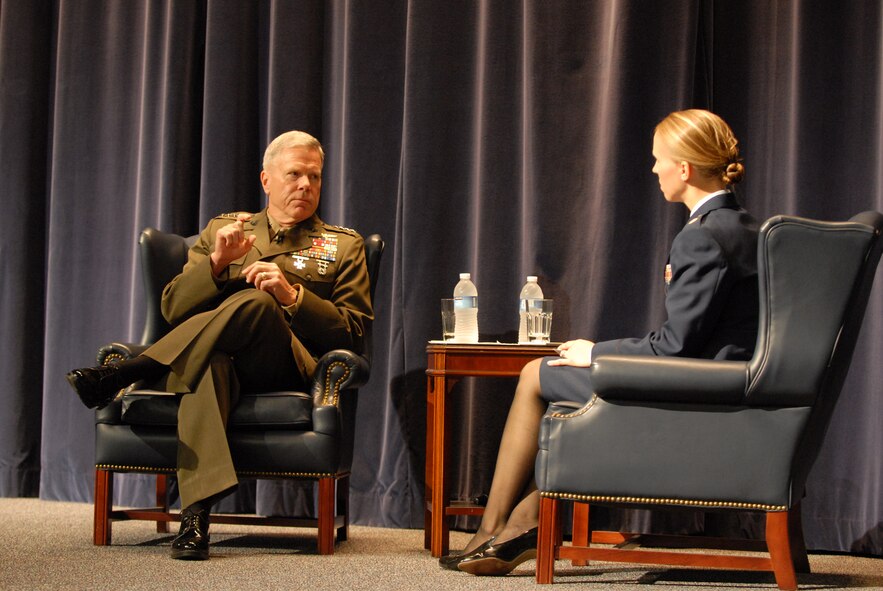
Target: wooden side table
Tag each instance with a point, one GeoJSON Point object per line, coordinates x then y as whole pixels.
{"type": "Point", "coordinates": [447, 363]}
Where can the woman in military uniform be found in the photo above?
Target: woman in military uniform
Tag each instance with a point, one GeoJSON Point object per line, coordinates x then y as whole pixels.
{"type": "Point", "coordinates": [712, 312]}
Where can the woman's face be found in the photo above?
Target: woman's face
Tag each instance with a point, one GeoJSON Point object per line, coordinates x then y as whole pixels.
{"type": "Point", "coordinates": [669, 171]}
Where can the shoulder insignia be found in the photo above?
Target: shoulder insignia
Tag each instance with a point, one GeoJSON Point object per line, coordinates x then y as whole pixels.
{"type": "Point", "coordinates": [342, 229]}
{"type": "Point", "coordinates": [233, 215]}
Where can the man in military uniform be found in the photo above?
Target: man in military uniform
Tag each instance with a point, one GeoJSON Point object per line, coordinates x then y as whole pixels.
{"type": "Point", "coordinates": [260, 298]}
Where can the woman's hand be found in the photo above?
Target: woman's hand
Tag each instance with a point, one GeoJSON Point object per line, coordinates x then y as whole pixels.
{"type": "Point", "coordinates": [576, 353]}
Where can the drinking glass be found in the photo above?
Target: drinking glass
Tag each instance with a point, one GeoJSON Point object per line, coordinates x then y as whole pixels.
{"type": "Point", "coordinates": [447, 313]}
{"type": "Point", "coordinates": [539, 320]}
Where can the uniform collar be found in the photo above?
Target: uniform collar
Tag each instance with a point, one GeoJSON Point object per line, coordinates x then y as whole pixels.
{"type": "Point", "coordinates": [298, 236]}
{"type": "Point", "coordinates": [717, 200]}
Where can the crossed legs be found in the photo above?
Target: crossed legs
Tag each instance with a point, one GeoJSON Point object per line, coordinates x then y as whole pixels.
{"type": "Point", "coordinates": [513, 502]}
{"type": "Point", "coordinates": [245, 340]}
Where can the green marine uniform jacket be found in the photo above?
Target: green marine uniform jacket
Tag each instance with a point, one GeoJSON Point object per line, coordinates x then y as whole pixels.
{"type": "Point", "coordinates": [333, 310]}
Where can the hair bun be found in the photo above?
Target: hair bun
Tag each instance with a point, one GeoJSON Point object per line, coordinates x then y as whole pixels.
{"type": "Point", "coordinates": [735, 172]}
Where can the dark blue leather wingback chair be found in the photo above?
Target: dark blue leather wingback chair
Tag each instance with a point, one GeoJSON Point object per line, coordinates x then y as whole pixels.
{"type": "Point", "coordinates": [719, 435]}
{"type": "Point", "coordinates": [273, 435]}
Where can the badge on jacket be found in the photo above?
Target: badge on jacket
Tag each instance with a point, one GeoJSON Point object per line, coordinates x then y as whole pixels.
{"type": "Point", "coordinates": [300, 263]}
{"type": "Point", "coordinates": [323, 250]}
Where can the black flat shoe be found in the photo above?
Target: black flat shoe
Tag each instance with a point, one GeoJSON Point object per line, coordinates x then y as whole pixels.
{"type": "Point", "coordinates": [500, 559]}
{"type": "Point", "coordinates": [96, 386]}
{"type": "Point", "coordinates": [452, 561]}
{"type": "Point", "coordinates": [192, 540]}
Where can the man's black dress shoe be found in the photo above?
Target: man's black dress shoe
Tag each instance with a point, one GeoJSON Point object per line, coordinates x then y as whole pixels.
{"type": "Point", "coordinates": [502, 558]}
{"type": "Point", "coordinates": [192, 540]}
{"type": "Point", "coordinates": [452, 561]}
{"type": "Point", "coordinates": [96, 386]}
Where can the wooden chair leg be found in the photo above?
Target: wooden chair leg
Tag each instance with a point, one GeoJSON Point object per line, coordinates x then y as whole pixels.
{"type": "Point", "coordinates": [779, 546]}
{"type": "Point", "coordinates": [343, 507]}
{"type": "Point", "coordinates": [547, 536]}
{"type": "Point", "coordinates": [326, 515]}
{"type": "Point", "coordinates": [162, 501]}
{"type": "Point", "coordinates": [101, 533]}
{"type": "Point", "coordinates": [582, 535]}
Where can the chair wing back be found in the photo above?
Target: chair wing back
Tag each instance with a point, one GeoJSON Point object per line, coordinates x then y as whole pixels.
{"type": "Point", "coordinates": [162, 257]}
{"type": "Point", "coordinates": [814, 281]}
{"type": "Point", "coordinates": [374, 246]}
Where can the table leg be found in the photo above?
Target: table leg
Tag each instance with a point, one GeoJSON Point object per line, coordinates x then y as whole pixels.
{"type": "Point", "coordinates": [429, 472]}
{"type": "Point", "coordinates": [437, 467]}
{"type": "Point", "coordinates": [446, 365]}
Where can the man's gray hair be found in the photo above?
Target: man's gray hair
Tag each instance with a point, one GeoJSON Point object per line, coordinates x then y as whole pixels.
{"type": "Point", "coordinates": [292, 139]}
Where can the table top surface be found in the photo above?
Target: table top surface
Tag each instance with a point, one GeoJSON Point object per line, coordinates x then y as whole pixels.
{"type": "Point", "coordinates": [435, 346]}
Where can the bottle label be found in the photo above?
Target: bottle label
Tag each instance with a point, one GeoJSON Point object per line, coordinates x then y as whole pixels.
{"type": "Point", "coordinates": [465, 302]}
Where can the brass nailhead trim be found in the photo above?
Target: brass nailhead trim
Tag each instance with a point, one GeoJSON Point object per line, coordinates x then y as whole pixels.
{"type": "Point", "coordinates": [117, 468]}
{"type": "Point", "coordinates": [336, 385]}
{"type": "Point", "coordinates": [287, 474]}
{"type": "Point", "coordinates": [655, 501]}
{"type": "Point", "coordinates": [582, 411]}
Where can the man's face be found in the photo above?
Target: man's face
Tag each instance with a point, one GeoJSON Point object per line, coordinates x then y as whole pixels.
{"type": "Point", "coordinates": [293, 182]}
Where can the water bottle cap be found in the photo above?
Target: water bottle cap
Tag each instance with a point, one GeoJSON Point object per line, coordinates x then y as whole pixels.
{"type": "Point", "coordinates": [531, 278]}
{"type": "Point", "coordinates": [465, 276]}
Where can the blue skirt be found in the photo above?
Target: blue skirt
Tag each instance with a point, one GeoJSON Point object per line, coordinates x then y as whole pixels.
{"type": "Point", "coordinates": [564, 382]}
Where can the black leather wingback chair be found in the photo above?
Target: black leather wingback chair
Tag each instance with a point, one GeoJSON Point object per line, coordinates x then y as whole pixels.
{"type": "Point", "coordinates": [719, 435]}
{"type": "Point", "coordinates": [274, 435]}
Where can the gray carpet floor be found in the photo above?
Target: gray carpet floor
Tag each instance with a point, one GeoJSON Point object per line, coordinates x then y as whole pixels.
{"type": "Point", "coordinates": [48, 545]}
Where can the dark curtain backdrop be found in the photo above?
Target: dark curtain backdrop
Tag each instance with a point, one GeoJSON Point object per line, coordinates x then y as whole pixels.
{"type": "Point", "coordinates": [500, 137]}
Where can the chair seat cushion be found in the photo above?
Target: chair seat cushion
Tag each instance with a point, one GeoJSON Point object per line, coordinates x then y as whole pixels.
{"type": "Point", "coordinates": [267, 410]}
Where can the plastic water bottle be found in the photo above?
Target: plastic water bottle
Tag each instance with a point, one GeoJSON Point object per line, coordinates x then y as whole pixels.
{"type": "Point", "coordinates": [465, 310]}
{"type": "Point", "coordinates": [530, 291]}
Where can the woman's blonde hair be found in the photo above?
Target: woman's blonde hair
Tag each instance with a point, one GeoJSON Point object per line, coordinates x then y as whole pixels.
{"type": "Point", "coordinates": [705, 141]}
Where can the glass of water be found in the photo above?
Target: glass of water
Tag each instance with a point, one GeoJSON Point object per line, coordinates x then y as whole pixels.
{"type": "Point", "coordinates": [539, 320]}
{"type": "Point", "coordinates": [447, 313]}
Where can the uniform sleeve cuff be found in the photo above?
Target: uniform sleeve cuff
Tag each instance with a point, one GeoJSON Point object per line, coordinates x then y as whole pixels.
{"type": "Point", "coordinates": [292, 308]}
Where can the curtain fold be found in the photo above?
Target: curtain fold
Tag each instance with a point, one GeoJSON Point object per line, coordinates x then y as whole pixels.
{"type": "Point", "coordinates": [25, 113]}
{"type": "Point", "coordinates": [496, 137]}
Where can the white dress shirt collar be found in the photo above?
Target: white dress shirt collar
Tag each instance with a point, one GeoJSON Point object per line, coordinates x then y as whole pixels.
{"type": "Point", "coordinates": [705, 199]}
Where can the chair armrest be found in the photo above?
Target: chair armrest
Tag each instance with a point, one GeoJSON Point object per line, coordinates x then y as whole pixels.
{"type": "Point", "coordinates": [338, 370]}
{"type": "Point", "coordinates": [563, 407]}
{"type": "Point", "coordinates": [116, 352]}
{"type": "Point", "coordinates": [669, 379]}
{"type": "Point", "coordinates": [107, 355]}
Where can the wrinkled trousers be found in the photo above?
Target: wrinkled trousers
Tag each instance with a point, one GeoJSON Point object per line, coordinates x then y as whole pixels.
{"type": "Point", "coordinates": [243, 344]}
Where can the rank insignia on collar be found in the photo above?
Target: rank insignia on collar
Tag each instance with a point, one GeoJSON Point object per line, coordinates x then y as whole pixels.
{"type": "Point", "coordinates": [299, 261]}
{"type": "Point", "coordinates": [324, 247]}
{"type": "Point", "coordinates": [667, 274]}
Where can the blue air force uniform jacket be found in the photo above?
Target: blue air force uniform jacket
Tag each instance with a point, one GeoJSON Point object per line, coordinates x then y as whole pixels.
{"type": "Point", "coordinates": [711, 289]}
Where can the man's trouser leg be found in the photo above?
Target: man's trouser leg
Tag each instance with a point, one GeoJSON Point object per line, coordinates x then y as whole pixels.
{"type": "Point", "coordinates": [248, 332]}
{"type": "Point", "coordinates": [248, 325]}
{"type": "Point", "coordinates": [205, 466]}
